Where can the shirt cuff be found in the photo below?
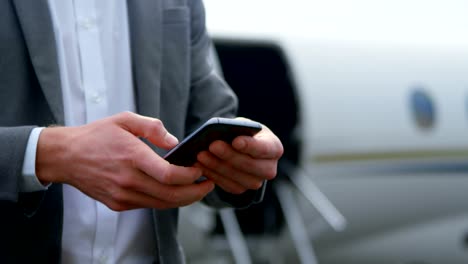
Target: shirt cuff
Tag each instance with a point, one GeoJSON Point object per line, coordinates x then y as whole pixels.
{"type": "Point", "coordinates": [29, 181]}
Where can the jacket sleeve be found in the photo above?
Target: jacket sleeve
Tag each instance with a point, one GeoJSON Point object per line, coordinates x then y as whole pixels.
{"type": "Point", "coordinates": [211, 96]}
{"type": "Point", "coordinates": [13, 142]}
{"type": "Point", "coordinates": [209, 93]}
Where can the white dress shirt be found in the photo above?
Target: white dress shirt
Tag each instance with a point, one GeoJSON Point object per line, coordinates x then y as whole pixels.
{"type": "Point", "coordinates": [95, 69]}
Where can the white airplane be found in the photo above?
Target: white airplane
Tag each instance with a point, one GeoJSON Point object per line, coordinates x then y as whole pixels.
{"type": "Point", "coordinates": [371, 101]}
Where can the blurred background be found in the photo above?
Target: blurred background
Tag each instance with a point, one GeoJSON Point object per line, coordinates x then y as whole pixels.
{"type": "Point", "coordinates": [370, 99]}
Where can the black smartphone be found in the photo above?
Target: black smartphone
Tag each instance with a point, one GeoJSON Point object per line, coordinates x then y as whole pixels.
{"type": "Point", "coordinates": [216, 128]}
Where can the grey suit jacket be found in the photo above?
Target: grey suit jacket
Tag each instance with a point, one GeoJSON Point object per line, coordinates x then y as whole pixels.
{"type": "Point", "coordinates": [174, 81]}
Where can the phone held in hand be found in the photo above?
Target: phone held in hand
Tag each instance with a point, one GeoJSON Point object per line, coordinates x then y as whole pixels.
{"type": "Point", "coordinates": [216, 128]}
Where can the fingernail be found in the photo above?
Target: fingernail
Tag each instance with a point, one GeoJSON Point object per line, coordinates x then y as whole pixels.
{"type": "Point", "coordinates": [171, 139]}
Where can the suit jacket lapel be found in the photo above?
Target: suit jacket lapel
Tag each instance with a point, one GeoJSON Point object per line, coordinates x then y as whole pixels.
{"type": "Point", "coordinates": [145, 22]}
{"type": "Point", "coordinates": [145, 19]}
{"type": "Point", "coordinates": [36, 24]}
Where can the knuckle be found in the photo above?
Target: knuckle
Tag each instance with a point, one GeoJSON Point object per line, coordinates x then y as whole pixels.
{"type": "Point", "coordinates": [125, 115]}
{"type": "Point", "coordinates": [208, 159]}
{"type": "Point", "coordinates": [195, 174]}
{"type": "Point", "coordinates": [202, 193]}
{"type": "Point", "coordinates": [135, 156]}
{"type": "Point", "coordinates": [200, 196]}
{"type": "Point", "coordinates": [185, 202]}
{"type": "Point", "coordinates": [130, 158]}
{"type": "Point", "coordinates": [119, 198]}
{"type": "Point", "coordinates": [271, 173]}
{"type": "Point", "coordinates": [238, 190]}
{"type": "Point", "coordinates": [174, 196]}
{"type": "Point", "coordinates": [165, 176]}
{"type": "Point", "coordinates": [125, 182]}
{"type": "Point", "coordinates": [118, 207]}
{"type": "Point", "coordinates": [255, 185]}
{"type": "Point", "coordinates": [156, 124]}
{"type": "Point", "coordinates": [280, 151]}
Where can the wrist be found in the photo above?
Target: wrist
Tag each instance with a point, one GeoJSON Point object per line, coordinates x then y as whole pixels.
{"type": "Point", "coordinates": [51, 155]}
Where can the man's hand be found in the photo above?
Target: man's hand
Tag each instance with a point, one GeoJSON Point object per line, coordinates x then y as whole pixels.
{"type": "Point", "coordinates": [243, 165]}
{"type": "Point", "coordinates": [109, 162]}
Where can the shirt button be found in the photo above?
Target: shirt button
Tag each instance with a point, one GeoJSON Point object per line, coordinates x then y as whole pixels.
{"type": "Point", "coordinates": [87, 23]}
{"type": "Point", "coordinates": [103, 259]}
{"type": "Point", "coordinates": [96, 98]}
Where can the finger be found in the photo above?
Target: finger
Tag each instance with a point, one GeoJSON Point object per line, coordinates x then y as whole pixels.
{"type": "Point", "coordinates": [128, 200]}
{"type": "Point", "coordinates": [173, 194]}
{"type": "Point", "coordinates": [147, 161]}
{"type": "Point", "coordinates": [224, 174]}
{"type": "Point", "coordinates": [264, 145]}
{"type": "Point", "coordinates": [262, 168]}
{"type": "Point", "coordinates": [146, 127]}
{"type": "Point", "coordinates": [179, 175]}
{"type": "Point", "coordinates": [223, 182]}
{"type": "Point", "coordinates": [139, 190]}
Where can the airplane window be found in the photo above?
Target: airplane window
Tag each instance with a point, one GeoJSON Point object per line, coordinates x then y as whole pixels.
{"type": "Point", "coordinates": [423, 109]}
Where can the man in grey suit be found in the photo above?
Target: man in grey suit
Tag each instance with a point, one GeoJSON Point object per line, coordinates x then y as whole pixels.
{"type": "Point", "coordinates": [76, 180]}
